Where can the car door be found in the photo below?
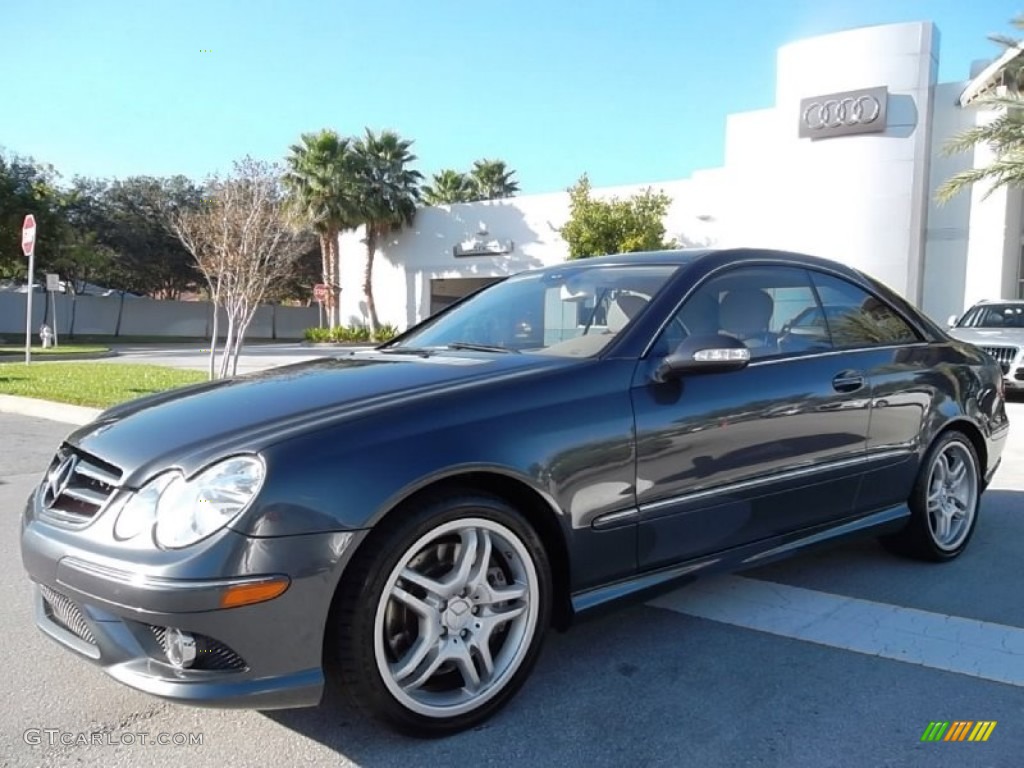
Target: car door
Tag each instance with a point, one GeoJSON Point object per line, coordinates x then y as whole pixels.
{"type": "Point", "coordinates": [900, 366]}
{"type": "Point", "coordinates": [733, 457]}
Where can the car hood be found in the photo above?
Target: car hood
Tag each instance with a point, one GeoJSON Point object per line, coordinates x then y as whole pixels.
{"type": "Point", "coordinates": [188, 426]}
{"type": "Point", "coordinates": [990, 336]}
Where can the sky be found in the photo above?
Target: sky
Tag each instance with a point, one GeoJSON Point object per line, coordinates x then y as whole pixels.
{"type": "Point", "coordinates": [627, 91]}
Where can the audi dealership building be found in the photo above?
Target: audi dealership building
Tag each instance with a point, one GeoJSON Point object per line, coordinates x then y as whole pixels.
{"type": "Point", "coordinates": [844, 165]}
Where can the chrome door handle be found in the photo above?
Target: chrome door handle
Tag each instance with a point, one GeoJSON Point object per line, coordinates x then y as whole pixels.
{"type": "Point", "coordinates": [848, 381]}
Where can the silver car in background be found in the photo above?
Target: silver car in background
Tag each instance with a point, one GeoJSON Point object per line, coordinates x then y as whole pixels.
{"type": "Point", "coordinates": [997, 327]}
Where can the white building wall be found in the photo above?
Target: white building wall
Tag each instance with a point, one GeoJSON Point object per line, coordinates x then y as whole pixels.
{"type": "Point", "coordinates": [857, 199]}
{"type": "Point", "coordinates": [994, 242]}
{"type": "Point", "coordinates": [866, 200]}
{"type": "Point", "coordinates": [405, 264]}
{"type": "Point", "coordinates": [948, 233]}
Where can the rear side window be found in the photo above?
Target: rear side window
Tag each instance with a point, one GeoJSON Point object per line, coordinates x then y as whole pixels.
{"type": "Point", "coordinates": [856, 318]}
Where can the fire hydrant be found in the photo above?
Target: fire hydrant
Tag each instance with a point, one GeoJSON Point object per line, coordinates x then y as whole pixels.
{"type": "Point", "coordinates": [46, 335]}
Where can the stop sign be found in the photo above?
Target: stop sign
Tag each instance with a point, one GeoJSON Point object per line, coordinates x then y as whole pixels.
{"type": "Point", "coordinates": [28, 235]}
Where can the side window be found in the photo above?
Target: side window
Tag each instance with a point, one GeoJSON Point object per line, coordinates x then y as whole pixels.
{"type": "Point", "coordinates": [772, 310]}
{"type": "Point", "coordinates": [855, 318]}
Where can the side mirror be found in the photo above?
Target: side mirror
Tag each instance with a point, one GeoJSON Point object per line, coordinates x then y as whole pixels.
{"type": "Point", "coordinates": [952, 321]}
{"type": "Point", "coordinates": [704, 354]}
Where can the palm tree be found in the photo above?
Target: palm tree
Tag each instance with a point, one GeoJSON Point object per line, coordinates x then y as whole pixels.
{"type": "Point", "coordinates": [388, 196]}
{"type": "Point", "coordinates": [1004, 134]}
{"type": "Point", "coordinates": [492, 180]}
{"type": "Point", "coordinates": [449, 187]}
{"type": "Point", "coordinates": [321, 182]}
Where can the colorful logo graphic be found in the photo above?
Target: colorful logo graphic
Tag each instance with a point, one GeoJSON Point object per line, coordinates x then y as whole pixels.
{"type": "Point", "coordinates": [958, 730]}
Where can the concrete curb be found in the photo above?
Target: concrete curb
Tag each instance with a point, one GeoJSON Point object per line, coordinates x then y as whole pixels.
{"type": "Point", "coordinates": [71, 356]}
{"type": "Point", "coordinates": [47, 409]}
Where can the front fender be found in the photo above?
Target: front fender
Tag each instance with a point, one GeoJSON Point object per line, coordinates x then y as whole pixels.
{"type": "Point", "coordinates": [568, 436]}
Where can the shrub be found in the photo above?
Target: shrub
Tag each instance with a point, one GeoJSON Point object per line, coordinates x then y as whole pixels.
{"type": "Point", "coordinates": [317, 334]}
{"type": "Point", "coordinates": [385, 333]}
{"type": "Point", "coordinates": [350, 334]}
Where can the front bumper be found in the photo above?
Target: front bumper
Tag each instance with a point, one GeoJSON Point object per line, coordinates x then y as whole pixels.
{"type": "Point", "coordinates": [117, 612]}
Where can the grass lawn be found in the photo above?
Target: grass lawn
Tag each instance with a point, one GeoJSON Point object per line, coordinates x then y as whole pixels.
{"type": "Point", "coordinates": [99, 385]}
{"type": "Point", "coordinates": [63, 349]}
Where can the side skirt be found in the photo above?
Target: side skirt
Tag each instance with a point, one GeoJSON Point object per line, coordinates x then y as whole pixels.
{"type": "Point", "coordinates": [644, 586]}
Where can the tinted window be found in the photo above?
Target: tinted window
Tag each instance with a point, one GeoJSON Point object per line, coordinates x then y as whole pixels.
{"type": "Point", "coordinates": [856, 318]}
{"type": "Point", "coordinates": [770, 309]}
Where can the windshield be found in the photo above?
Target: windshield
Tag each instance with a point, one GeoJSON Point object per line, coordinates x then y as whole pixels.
{"type": "Point", "coordinates": [573, 312]}
{"type": "Point", "coordinates": [994, 316]}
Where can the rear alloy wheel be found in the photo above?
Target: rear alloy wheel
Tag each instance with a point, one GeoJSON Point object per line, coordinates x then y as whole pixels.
{"type": "Point", "coordinates": [944, 503]}
{"type": "Point", "coordinates": [451, 617]}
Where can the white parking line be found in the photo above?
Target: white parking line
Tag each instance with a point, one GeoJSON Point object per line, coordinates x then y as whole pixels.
{"type": "Point", "coordinates": [951, 643]}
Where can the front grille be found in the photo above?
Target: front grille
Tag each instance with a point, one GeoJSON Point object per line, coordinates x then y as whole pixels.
{"type": "Point", "coordinates": [77, 486]}
{"type": "Point", "coordinates": [62, 611]}
{"type": "Point", "coordinates": [210, 654]}
{"type": "Point", "coordinates": [1003, 355]}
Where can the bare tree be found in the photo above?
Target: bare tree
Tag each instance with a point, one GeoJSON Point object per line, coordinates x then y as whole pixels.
{"type": "Point", "coordinates": [244, 242]}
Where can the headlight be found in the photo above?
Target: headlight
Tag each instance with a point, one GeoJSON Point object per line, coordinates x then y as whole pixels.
{"type": "Point", "coordinates": [139, 512]}
{"type": "Point", "coordinates": [190, 510]}
{"type": "Point", "coordinates": [187, 511]}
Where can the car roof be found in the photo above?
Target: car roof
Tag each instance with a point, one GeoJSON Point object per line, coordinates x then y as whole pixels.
{"type": "Point", "coordinates": [691, 256]}
{"type": "Point", "coordinates": [989, 302]}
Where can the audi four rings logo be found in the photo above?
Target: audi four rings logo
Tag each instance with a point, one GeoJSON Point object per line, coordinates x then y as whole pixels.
{"type": "Point", "coordinates": [834, 113]}
{"type": "Point", "coordinates": [841, 114]}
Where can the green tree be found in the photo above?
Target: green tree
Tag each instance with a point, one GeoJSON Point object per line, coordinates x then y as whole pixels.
{"type": "Point", "coordinates": [27, 187]}
{"type": "Point", "coordinates": [294, 287]}
{"type": "Point", "coordinates": [82, 256]}
{"type": "Point", "coordinates": [388, 190]}
{"type": "Point", "coordinates": [492, 180]}
{"type": "Point", "coordinates": [323, 194]}
{"type": "Point", "coordinates": [601, 227]}
{"type": "Point", "coordinates": [1004, 134]}
{"type": "Point", "coordinates": [148, 257]}
{"type": "Point", "coordinates": [449, 186]}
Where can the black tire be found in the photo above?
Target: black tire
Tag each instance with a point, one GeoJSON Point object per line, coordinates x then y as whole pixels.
{"type": "Point", "coordinates": [919, 538]}
{"type": "Point", "coordinates": [352, 650]}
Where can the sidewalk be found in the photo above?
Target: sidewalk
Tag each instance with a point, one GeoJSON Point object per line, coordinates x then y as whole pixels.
{"type": "Point", "coordinates": [46, 409]}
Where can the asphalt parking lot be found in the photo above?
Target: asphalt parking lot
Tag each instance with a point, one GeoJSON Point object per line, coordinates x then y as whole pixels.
{"type": "Point", "coordinates": [841, 658]}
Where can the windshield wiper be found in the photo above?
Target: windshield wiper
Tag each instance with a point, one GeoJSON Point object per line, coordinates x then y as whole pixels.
{"type": "Point", "coordinates": [480, 347]}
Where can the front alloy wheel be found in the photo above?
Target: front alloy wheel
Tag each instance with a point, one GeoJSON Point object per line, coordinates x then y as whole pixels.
{"type": "Point", "coordinates": [450, 618]}
{"type": "Point", "coordinates": [454, 621]}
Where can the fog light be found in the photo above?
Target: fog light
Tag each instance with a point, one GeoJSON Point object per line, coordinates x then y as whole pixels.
{"type": "Point", "coordinates": [180, 648]}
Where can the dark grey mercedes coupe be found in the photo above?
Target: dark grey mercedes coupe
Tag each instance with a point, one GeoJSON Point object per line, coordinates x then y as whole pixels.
{"type": "Point", "coordinates": [408, 522]}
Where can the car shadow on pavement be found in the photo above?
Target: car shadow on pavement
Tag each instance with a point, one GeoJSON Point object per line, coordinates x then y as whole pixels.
{"type": "Point", "coordinates": [643, 686]}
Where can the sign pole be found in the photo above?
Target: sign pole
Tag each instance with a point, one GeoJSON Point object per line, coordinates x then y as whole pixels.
{"type": "Point", "coordinates": [52, 286]}
{"type": "Point", "coordinates": [28, 306]}
{"type": "Point", "coordinates": [28, 247]}
{"type": "Point", "coordinates": [53, 303]}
